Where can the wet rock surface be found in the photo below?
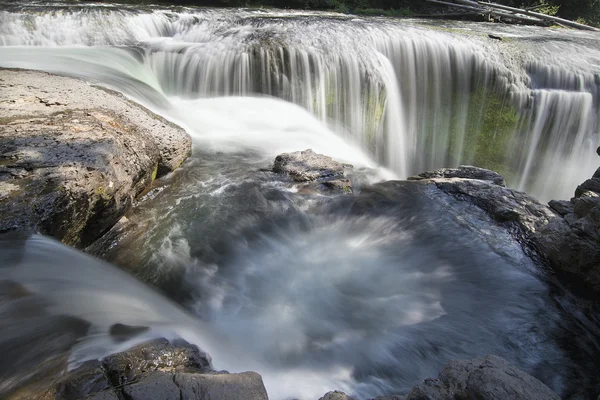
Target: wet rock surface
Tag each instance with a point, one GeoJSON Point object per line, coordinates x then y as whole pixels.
{"type": "Point", "coordinates": [464, 172]}
{"type": "Point", "coordinates": [73, 157]}
{"type": "Point", "coordinates": [489, 377]}
{"type": "Point", "coordinates": [159, 370]}
{"type": "Point", "coordinates": [314, 170]}
{"type": "Point", "coordinates": [564, 236]}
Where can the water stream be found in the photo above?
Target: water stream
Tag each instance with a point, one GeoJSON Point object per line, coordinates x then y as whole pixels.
{"type": "Point", "coordinates": [312, 292]}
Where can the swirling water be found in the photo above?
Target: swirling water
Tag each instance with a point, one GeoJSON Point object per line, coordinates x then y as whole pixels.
{"type": "Point", "coordinates": [314, 293]}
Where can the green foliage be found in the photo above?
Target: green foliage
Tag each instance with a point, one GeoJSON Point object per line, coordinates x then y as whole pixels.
{"type": "Point", "coordinates": [543, 7]}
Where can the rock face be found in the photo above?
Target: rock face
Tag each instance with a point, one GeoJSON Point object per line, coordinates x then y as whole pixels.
{"type": "Point", "coordinates": [159, 371]}
{"type": "Point", "coordinates": [489, 377]}
{"type": "Point", "coordinates": [565, 235]}
{"type": "Point", "coordinates": [73, 157]}
{"type": "Point", "coordinates": [464, 172]}
{"type": "Point", "coordinates": [486, 378]}
{"type": "Point", "coordinates": [336, 395]}
{"type": "Point", "coordinates": [315, 170]}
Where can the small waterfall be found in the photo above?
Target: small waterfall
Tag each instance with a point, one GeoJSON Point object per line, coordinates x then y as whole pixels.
{"type": "Point", "coordinates": [416, 98]}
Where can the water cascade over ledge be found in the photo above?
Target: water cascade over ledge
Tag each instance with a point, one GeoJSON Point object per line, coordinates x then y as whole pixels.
{"type": "Point", "coordinates": [413, 96]}
{"type": "Point", "coordinates": [307, 290]}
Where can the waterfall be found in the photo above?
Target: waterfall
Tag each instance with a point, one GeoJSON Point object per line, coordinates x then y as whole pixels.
{"type": "Point", "coordinates": [416, 97]}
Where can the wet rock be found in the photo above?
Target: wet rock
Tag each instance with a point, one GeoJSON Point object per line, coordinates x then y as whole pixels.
{"type": "Point", "coordinates": [489, 377]}
{"type": "Point", "coordinates": [73, 157]}
{"type": "Point", "coordinates": [159, 355]}
{"type": "Point", "coordinates": [144, 369]}
{"type": "Point", "coordinates": [564, 236]}
{"type": "Point", "coordinates": [221, 386]}
{"type": "Point", "coordinates": [463, 172]}
{"type": "Point", "coordinates": [591, 185]}
{"type": "Point", "coordinates": [89, 378]}
{"type": "Point", "coordinates": [313, 170]}
{"type": "Point", "coordinates": [562, 207]}
{"type": "Point", "coordinates": [585, 203]}
{"type": "Point", "coordinates": [336, 395]}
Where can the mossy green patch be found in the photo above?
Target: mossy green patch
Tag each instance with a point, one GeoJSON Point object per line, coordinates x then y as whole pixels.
{"type": "Point", "coordinates": [489, 129]}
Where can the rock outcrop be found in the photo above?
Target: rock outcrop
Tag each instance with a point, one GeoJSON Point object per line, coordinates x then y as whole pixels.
{"type": "Point", "coordinates": [313, 170]}
{"type": "Point", "coordinates": [489, 378]}
{"type": "Point", "coordinates": [565, 235]}
{"type": "Point", "coordinates": [159, 371]}
{"type": "Point", "coordinates": [73, 157]}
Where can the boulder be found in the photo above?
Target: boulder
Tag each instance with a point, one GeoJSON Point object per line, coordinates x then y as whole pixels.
{"type": "Point", "coordinates": [336, 395]}
{"type": "Point", "coordinates": [489, 377]}
{"type": "Point", "coordinates": [463, 172]}
{"type": "Point", "coordinates": [313, 170]}
{"type": "Point", "coordinates": [73, 157]}
{"type": "Point", "coordinates": [159, 370]}
{"type": "Point", "coordinates": [564, 236]}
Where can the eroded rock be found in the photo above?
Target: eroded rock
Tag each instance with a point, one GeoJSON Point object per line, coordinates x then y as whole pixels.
{"type": "Point", "coordinates": [73, 157]}
{"type": "Point", "coordinates": [489, 377]}
{"type": "Point", "coordinates": [314, 170]}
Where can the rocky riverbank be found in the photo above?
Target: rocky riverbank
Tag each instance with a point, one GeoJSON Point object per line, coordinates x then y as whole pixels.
{"type": "Point", "coordinates": [73, 156]}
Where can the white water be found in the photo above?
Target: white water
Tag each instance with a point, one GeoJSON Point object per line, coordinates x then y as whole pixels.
{"type": "Point", "coordinates": [414, 98]}
{"type": "Point", "coordinates": [367, 304]}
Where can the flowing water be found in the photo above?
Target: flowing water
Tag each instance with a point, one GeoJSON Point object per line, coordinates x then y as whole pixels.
{"type": "Point", "coordinates": [314, 292]}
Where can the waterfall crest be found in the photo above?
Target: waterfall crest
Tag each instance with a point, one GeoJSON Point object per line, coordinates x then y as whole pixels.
{"type": "Point", "coordinates": [416, 97]}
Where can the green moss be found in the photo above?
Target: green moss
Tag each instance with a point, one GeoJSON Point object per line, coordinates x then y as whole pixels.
{"type": "Point", "coordinates": [154, 172]}
{"type": "Point", "coordinates": [490, 127]}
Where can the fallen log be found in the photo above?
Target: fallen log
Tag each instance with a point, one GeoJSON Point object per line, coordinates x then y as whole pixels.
{"type": "Point", "coordinates": [539, 16]}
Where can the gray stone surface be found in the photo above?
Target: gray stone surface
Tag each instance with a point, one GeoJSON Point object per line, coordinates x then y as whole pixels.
{"type": "Point", "coordinates": [159, 355]}
{"type": "Point", "coordinates": [564, 236]}
{"type": "Point", "coordinates": [73, 157]}
{"type": "Point", "coordinates": [336, 395]}
{"type": "Point", "coordinates": [489, 378]}
{"type": "Point", "coordinates": [221, 386]}
{"type": "Point", "coordinates": [314, 170]}
{"type": "Point", "coordinates": [464, 172]}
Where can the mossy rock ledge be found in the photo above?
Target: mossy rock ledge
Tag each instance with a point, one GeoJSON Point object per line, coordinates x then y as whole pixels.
{"type": "Point", "coordinates": [73, 156]}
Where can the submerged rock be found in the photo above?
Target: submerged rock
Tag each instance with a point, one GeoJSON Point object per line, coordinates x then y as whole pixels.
{"type": "Point", "coordinates": [73, 157]}
{"type": "Point", "coordinates": [314, 170]}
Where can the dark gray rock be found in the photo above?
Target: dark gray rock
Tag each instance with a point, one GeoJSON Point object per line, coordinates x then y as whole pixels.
{"type": "Point", "coordinates": [158, 385]}
{"type": "Point", "coordinates": [89, 378]}
{"type": "Point", "coordinates": [336, 395]}
{"type": "Point", "coordinates": [489, 377]}
{"type": "Point", "coordinates": [221, 386]}
{"type": "Point", "coordinates": [315, 171]}
{"type": "Point", "coordinates": [160, 355]}
{"type": "Point", "coordinates": [463, 172]}
{"type": "Point", "coordinates": [562, 207]}
{"type": "Point", "coordinates": [591, 185]}
{"type": "Point", "coordinates": [107, 395]}
{"type": "Point", "coordinates": [585, 203]}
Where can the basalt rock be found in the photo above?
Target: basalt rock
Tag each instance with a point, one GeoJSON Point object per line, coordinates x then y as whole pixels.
{"type": "Point", "coordinates": [564, 236]}
{"type": "Point", "coordinates": [463, 172]}
{"type": "Point", "coordinates": [73, 157]}
{"type": "Point", "coordinates": [316, 171]}
{"type": "Point", "coordinates": [159, 370]}
{"type": "Point", "coordinates": [486, 378]}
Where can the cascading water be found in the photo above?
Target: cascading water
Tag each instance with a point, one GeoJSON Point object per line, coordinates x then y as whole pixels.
{"type": "Point", "coordinates": [309, 292]}
{"type": "Point", "coordinates": [415, 98]}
